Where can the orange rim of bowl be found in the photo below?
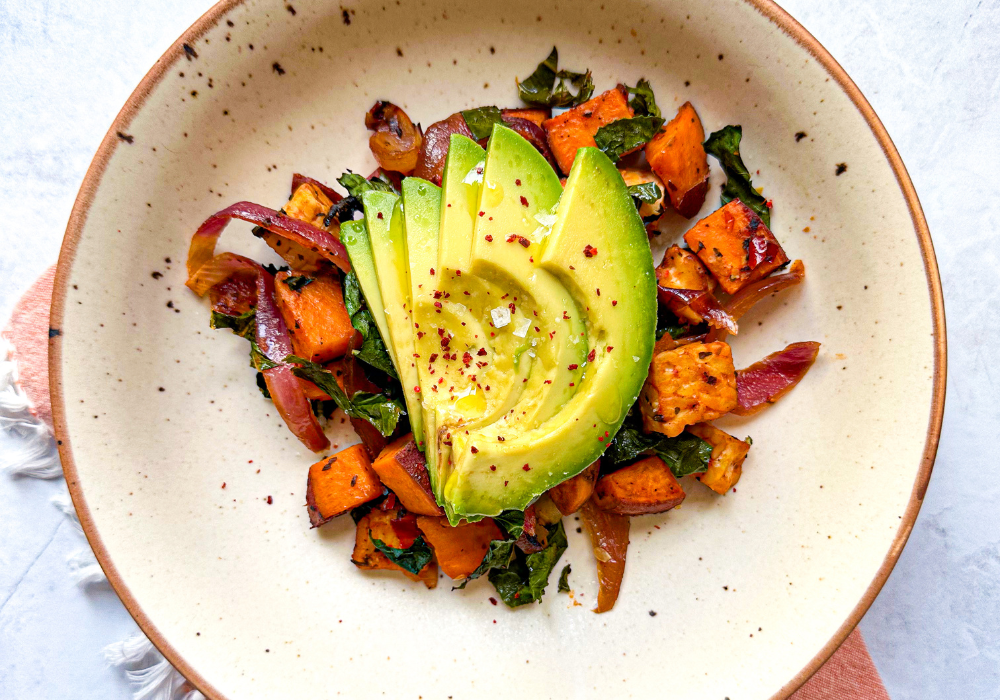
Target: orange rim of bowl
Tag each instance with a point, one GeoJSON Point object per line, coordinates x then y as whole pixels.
{"type": "Point", "coordinates": [210, 19]}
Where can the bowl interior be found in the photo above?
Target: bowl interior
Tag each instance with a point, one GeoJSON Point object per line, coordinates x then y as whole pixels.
{"type": "Point", "coordinates": [172, 453]}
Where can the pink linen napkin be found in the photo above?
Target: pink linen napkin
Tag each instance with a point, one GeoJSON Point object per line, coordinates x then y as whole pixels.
{"type": "Point", "coordinates": [848, 675]}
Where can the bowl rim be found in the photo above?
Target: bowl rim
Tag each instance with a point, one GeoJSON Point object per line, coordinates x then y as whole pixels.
{"type": "Point", "coordinates": [92, 180]}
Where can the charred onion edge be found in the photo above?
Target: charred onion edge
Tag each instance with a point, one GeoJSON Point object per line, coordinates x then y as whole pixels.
{"type": "Point", "coordinates": [202, 249]}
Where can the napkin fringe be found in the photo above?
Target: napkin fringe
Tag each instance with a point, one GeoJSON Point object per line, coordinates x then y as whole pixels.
{"type": "Point", "coordinates": [152, 677]}
{"type": "Point", "coordinates": [36, 457]}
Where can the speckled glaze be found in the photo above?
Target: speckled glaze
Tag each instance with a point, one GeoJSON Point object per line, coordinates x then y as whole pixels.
{"type": "Point", "coordinates": [172, 455]}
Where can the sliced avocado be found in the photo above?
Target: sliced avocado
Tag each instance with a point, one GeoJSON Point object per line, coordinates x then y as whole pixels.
{"type": "Point", "coordinates": [384, 220]}
{"type": "Point", "coordinates": [354, 236]}
{"type": "Point", "coordinates": [597, 242]}
{"type": "Point", "coordinates": [518, 194]}
{"type": "Point", "coordinates": [422, 221]}
{"type": "Point", "coordinates": [459, 199]}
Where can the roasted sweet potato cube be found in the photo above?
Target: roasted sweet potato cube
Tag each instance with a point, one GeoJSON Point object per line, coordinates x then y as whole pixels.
{"type": "Point", "coordinates": [317, 320]}
{"type": "Point", "coordinates": [310, 204]}
{"type": "Point", "coordinates": [339, 483]}
{"type": "Point", "coordinates": [571, 494]}
{"type": "Point", "coordinates": [459, 550]}
{"type": "Point", "coordinates": [648, 486]}
{"type": "Point", "coordinates": [401, 467]}
{"type": "Point", "coordinates": [538, 115]}
{"type": "Point", "coordinates": [728, 453]}
{"type": "Point", "coordinates": [378, 524]}
{"type": "Point", "coordinates": [687, 385]}
{"type": "Point", "coordinates": [681, 269]}
{"type": "Point", "coordinates": [736, 246]}
{"type": "Point", "coordinates": [575, 128]}
{"type": "Point", "coordinates": [676, 154]}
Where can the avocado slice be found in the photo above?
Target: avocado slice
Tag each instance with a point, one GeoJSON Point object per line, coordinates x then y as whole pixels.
{"type": "Point", "coordinates": [384, 221]}
{"type": "Point", "coordinates": [613, 257]}
{"type": "Point", "coordinates": [354, 236]}
{"type": "Point", "coordinates": [458, 389]}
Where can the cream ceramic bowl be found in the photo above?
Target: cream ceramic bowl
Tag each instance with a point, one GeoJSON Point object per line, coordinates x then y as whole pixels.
{"type": "Point", "coordinates": [171, 454]}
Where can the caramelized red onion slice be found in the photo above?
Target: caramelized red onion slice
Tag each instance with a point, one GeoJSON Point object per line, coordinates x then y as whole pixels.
{"type": "Point", "coordinates": [764, 382]}
{"type": "Point", "coordinates": [397, 141]}
{"type": "Point", "coordinates": [743, 300]}
{"type": "Point", "coordinates": [609, 536]}
{"type": "Point", "coordinates": [273, 340]}
{"type": "Point", "coordinates": [202, 249]}
{"type": "Point", "coordinates": [437, 141]}
{"type": "Point", "coordinates": [298, 180]}
{"type": "Point", "coordinates": [703, 303]}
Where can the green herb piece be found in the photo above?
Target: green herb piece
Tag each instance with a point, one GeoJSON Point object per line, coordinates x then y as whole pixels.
{"type": "Point", "coordinates": [724, 144]}
{"type": "Point", "coordinates": [642, 102]}
{"type": "Point", "coordinates": [258, 360]}
{"type": "Point", "coordinates": [667, 322]}
{"type": "Point", "coordinates": [564, 579]}
{"type": "Point", "coordinates": [373, 350]}
{"type": "Point", "coordinates": [357, 184]}
{"type": "Point", "coordinates": [748, 440]}
{"type": "Point", "coordinates": [511, 522]}
{"type": "Point", "coordinates": [648, 192]}
{"type": "Point", "coordinates": [685, 454]}
{"type": "Point", "coordinates": [378, 409]}
{"type": "Point", "coordinates": [524, 580]}
{"type": "Point", "coordinates": [498, 556]}
{"type": "Point", "coordinates": [480, 121]}
{"type": "Point", "coordinates": [297, 282]}
{"type": "Point", "coordinates": [244, 325]}
{"type": "Point", "coordinates": [353, 299]}
{"type": "Point", "coordinates": [624, 135]}
{"type": "Point", "coordinates": [413, 558]}
{"type": "Point", "coordinates": [541, 88]}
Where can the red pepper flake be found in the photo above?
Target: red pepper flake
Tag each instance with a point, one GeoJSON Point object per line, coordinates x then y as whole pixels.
{"type": "Point", "coordinates": [493, 467]}
{"type": "Point", "coordinates": [458, 273]}
{"type": "Point", "coordinates": [500, 438]}
{"type": "Point", "coordinates": [270, 500]}
{"type": "Point", "coordinates": [489, 238]}
{"type": "Point", "coordinates": [574, 366]}
{"type": "Point", "coordinates": [524, 201]}
{"type": "Point", "coordinates": [517, 182]}
{"type": "Point", "coordinates": [467, 359]}
{"type": "Point", "coordinates": [590, 251]}
{"type": "Point", "coordinates": [522, 240]}
{"type": "Point", "coordinates": [223, 484]}
{"type": "Point", "coordinates": [473, 449]}
{"type": "Point", "coordinates": [600, 438]}
{"type": "Point", "coordinates": [437, 304]}
{"type": "Point", "coordinates": [548, 381]}
{"type": "Point", "coordinates": [492, 599]}
{"type": "Point", "coordinates": [610, 348]}
{"type": "Point", "coordinates": [482, 213]}
{"type": "Point", "coordinates": [380, 215]}
{"type": "Point", "coordinates": [592, 355]}
{"type": "Point", "coordinates": [614, 302]}
{"type": "Point", "coordinates": [482, 352]}
{"type": "Point", "coordinates": [598, 291]}
{"type": "Point", "coordinates": [432, 270]}
{"type": "Point", "coordinates": [526, 468]}
{"type": "Point", "coordinates": [511, 238]}
{"type": "Point", "coordinates": [769, 204]}
{"type": "Point", "coordinates": [437, 293]}
{"type": "Point", "coordinates": [416, 389]}
{"type": "Point", "coordinates": [446, 341]}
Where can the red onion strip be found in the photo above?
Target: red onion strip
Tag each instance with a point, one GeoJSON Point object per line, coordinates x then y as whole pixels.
{"type": "Point", "coordinates": [202, 249]}
{"type": "Point", "coordinates": [764, 382]}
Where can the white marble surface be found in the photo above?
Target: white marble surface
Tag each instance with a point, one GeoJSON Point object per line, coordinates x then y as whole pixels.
{"type": "Point", "coordinates": [932, 72]}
